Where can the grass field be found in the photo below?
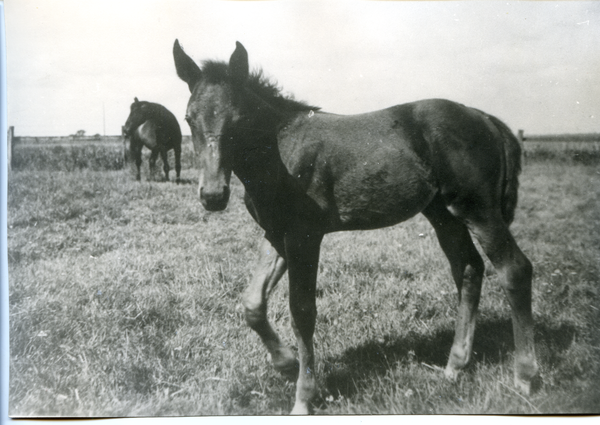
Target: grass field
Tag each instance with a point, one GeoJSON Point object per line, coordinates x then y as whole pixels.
{"type": "Point", "coordinates": [585, 152]}
{"type": "Point", "coordinates": [125, 300]}
{"type": "Point", "coordinates": [77, 155]}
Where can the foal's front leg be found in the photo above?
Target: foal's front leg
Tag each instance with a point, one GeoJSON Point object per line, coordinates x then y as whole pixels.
{"type": "Point", "coordinates": [271, 266]}
{"type": "Point", "coordinates": [302, 250]}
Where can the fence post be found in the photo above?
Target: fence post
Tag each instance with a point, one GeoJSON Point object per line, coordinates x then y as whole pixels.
{"type": "Point", "coordinates": [9, 145]}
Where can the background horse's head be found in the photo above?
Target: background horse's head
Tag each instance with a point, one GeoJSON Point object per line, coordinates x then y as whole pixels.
{"type": "Point", "coordinates": [138, 114]}
{"type": "Point", "coordinates": [125, 133]}
{"type": "Point", "coordinates": [214, 109]}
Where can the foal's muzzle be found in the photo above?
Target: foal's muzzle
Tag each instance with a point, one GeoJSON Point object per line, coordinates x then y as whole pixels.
{"type": "Point", "coordinates": [214, 200]}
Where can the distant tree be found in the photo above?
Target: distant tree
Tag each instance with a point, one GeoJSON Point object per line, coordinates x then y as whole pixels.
{"type": "Point", "coordinates": [80, 133]}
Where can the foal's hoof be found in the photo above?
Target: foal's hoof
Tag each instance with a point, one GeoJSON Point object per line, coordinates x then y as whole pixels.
{"type": "Point", "coordinates": [527, 379]}
{"type": "Point", "coordinates": [528, 386]}
{"type": "Point", "coordinates": [451, 373]}
{"type": "Point", "coordinates": [523, 386]}
{"type": "Point", "coordinates": [301, 409]}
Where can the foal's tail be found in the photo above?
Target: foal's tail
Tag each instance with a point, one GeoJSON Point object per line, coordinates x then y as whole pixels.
{"type": "Point", "coordinates": [512, 160]}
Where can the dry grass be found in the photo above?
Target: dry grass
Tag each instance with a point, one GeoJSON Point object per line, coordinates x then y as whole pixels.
{"type": "Point", "coordinates": [124, 300]}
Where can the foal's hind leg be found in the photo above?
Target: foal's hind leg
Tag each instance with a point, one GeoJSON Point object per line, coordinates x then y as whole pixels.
{"type": "Point", "coordinates": [467, 270]}
{"type": "Point", "coordinates": [515, 271]}
{"type": "Point", "coordinates": [271, 267]}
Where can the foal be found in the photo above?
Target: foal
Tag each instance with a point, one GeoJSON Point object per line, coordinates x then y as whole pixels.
{"type": "Point", "coordinates": [307, 173]}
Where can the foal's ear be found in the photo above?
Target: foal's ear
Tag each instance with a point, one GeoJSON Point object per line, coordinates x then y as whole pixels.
{"type": "Point", "coordinates": [135, 100]}
{"type": "Point", "coordinates": [186, 68]}
{"type": "Point", "coordinates": [238, 64]}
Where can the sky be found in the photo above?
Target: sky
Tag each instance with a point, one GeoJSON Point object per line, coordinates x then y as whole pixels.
{"type": "Point", "coordinates": [77, 65]}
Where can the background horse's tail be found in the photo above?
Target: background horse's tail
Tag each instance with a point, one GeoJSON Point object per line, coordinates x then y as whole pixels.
{"type": "Point", "coordinates": [512, 155]}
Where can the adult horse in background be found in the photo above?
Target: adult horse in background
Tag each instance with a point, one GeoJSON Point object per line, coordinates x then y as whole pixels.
{"type": "Point", "coordinates": [154, 126]}
{"type": "Point", "coordinates": [308, 173]}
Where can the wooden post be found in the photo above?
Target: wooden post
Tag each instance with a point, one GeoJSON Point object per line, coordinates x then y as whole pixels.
{"type": "Point", "coordinates": [9, 146]}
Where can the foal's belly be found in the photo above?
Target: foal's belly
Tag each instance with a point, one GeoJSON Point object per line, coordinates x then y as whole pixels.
{"type": "Point", "coordinates": [375, 191]}
{"type": "Point", "coordinates": [381, 199]}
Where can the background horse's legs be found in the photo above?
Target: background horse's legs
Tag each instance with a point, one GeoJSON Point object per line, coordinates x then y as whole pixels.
{"type": "Point", "coordinates": [467, 270]}
{"type": "Point", "coordinates": [178, 161]}
{"type": "Point", "coordinates": [136, 152]}
{"type": "Point", "coordinates": [271, 267]}
{"type": "Point", "coordinates": [152, 161]}
{"type": "Point", "coordinates": [302, 251]}
{"type": "Point", "coordinates": [165, 160]}
{"type": "Point", "coordinates": [515, 271]}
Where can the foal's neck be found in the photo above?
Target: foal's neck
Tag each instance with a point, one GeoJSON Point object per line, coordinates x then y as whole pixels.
{"type": "Point", "coordinates": [257, 161]}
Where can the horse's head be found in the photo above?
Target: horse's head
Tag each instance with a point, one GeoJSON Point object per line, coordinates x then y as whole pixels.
{"type": "Point", "coordinates": [212, 113]}
{"type": "Point", "coordinates": [125, 133]}
{"type": "Point", "coordinates": [138, 114]}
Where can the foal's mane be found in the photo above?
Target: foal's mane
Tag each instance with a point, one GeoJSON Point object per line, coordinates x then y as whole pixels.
{"type": "Point", "coordinates": [216, 72]}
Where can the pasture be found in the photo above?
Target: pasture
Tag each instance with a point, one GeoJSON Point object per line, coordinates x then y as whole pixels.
{"type": "Point", "coordinates": [125, 301]}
